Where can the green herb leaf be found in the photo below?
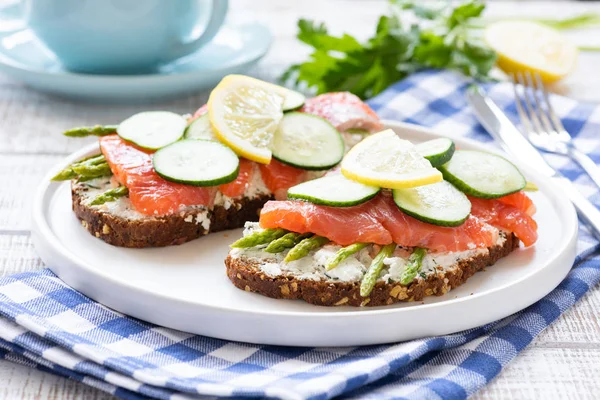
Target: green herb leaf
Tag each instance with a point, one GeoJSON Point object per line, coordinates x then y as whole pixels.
{"type": "Point", "coordinates": [397, 49]}
{"type": "Point", "coordinates": [462, 13]}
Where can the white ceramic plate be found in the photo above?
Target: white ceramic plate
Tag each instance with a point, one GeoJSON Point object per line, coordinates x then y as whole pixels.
{"type": "Point", "coordinates": [185, 287]}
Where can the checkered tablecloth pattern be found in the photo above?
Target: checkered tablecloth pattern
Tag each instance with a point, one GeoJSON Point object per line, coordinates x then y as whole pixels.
{"type": "Point", "coordinates": [47, 325]}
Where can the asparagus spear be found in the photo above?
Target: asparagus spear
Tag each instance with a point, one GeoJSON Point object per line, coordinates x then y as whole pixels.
{"type": "Point", "coordinates": [96, 130]}
{"type": "Point", "coordinates": [65, 175]}
{"type": "Point", "coordinates": [93, 160]}
{"type": "Point", "coordinates": [344, 253]}
{"type": "Point", "coordinates": [69, 172]}
{"type": "Point", "coordinates": [87, 172]}
{"type": "Point", "coordinates": [109, 195]}
{"type": "Point", "coordinates": [370, 278]}
{"type": "Point", "coordinates": [287, 241]}
{"type": "Point", "coordinates": [304, 247]}
{"type": "Point", "coordinates": [258, 238]}
{"type": "Point", "coordinates": [415, 261]}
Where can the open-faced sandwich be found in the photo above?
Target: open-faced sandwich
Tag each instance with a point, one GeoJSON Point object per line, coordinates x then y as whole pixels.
{"type": "Point", "coordinates": [162, 179]}
{"type": "Point", "coordinates": [399, 222]}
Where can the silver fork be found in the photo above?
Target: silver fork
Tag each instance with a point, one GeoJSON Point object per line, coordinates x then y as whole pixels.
{"type": "Point", "coordinates": [543, 127]}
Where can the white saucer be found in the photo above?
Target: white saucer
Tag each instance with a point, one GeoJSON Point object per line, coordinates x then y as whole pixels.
{"type": "Point", "coordinates": [235, 49]}
{"type": "Point", "coordinates": [185, 287]}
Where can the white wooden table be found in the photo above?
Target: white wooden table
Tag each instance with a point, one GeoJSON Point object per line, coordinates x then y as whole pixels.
{"type": "Point", "coordinates": [563, 362]}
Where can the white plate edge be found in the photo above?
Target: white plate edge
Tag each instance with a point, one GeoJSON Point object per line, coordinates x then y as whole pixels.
{"type": "Point", "coordinates": [41, 226]}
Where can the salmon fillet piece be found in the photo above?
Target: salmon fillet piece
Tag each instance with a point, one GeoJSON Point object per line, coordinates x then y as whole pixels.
{"type": "Point", "coordinates": [149, 193]}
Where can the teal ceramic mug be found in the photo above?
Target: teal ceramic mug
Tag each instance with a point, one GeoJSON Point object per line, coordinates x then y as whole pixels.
{"type": "Point", "coordinates": [122, 36]}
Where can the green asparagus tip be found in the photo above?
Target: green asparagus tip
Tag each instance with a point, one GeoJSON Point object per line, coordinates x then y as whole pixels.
{"type": "Point", "coordinates": [304, 247]}
{"type": "Point", "coordinates": [83, 164]}
{"type": "Point", "coordinates": [413, 266]}
{"type": "Point", "coordinates": [64, 175]}
{"type": "Point", "coordinates": [110, 195]}
{"type": "Point", "coordinates": [370, 278]}
{"type": "Point", "coordinates": [97, 130]}
{"type": "Point", "coordinates": [259, 237]}
{"type": "Point", "coordinates": [87, 172]}
{"type": "Point", "coordinates": [287, 241]}
{"type": "Point", "coordinates": [344, 253]}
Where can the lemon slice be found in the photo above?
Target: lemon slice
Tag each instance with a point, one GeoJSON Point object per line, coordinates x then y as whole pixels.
{"type": "Point", "coordinates": [530, 46]}
{"type": "Point", "coordinates": [244, 113]}
{"type": "Point", "coordinates": [385, 160]}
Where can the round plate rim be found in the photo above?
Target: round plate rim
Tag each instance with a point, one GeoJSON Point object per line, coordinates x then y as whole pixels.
{"type": "Point", "coordinates": [41, 225]}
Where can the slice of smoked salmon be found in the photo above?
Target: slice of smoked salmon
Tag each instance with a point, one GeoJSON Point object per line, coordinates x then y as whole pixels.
{"type": "Point", "coordinates": [408, 231]}
{"type": "Point", "coordinates": [521, 201]}
{"type": "Point", "coordinates": [506, 216]}
{"type": "Point", "coordinates": [344, 111]}
{"type": "Point", "coordinates": [149, 193]}
{"type": "Point", "coordinates": [279, 177]}
{"type": "Point", "coordinates": [238, 187]}
{"type": "Point", "coordinates": [376, 221]}
{"type": "Point", "coordinates": [343, 225]}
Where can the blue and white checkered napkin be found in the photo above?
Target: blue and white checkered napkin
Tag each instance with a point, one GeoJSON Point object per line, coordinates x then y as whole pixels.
{"type": "Point", "coordinates": [49, 326]}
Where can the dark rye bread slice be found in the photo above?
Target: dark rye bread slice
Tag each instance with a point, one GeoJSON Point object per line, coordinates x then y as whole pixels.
{"type": "Point", "coordinates": [248, 276]}
{"type": "Point", "coordinates": [164, 230]}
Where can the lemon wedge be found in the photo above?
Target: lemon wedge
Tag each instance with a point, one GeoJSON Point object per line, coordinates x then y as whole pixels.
{"type": "Point", "coordinates": [385, 160]}
{"type": "Point", "coordinates": [530, 46]}
{"type": "Point", "coordinates": [244, 112]}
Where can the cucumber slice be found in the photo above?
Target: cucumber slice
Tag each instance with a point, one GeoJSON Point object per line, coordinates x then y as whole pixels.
{"type": "Point", "coordinates": [438, 204]}
{"type": "Point", "coordinates": [307, 141]}
{"type": "Point", "coordinates": [200, 129]}
{"type": "Point", "coordinates": [152, 129]}
{"type": "Point", "coordinates": [333, 190]}
{"type": "Point", "coordinates": [483, 175]}
{"type": "Point", "coordinates": [437, 151]}
{"type": "Point", "coordinates": [293, 100]}
{"type": "Point", "coordinates": [197, 162]}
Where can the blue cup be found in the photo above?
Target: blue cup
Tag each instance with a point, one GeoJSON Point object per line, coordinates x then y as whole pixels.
{"type": "Point", "coordinates": [122, 36]}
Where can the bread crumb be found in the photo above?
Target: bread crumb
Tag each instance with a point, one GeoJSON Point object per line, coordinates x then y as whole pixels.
{"type": "Point", "coordinates": [395, 291]}
{"type": "Point", "coordinates": [342, 301]}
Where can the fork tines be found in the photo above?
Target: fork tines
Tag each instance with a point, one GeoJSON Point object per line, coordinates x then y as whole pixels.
{"type": "Point", "coordinates": [537, 115]}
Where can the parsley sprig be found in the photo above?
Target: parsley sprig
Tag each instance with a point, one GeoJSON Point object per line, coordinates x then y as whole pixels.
{"type": "Point", "coordinates": [411, 38]}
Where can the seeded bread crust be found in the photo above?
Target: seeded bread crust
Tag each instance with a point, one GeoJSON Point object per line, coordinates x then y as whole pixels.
{"type": "Point", "coordinates": [165, 230]}
{"type": "Point", "coordinates": [247, 276]}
